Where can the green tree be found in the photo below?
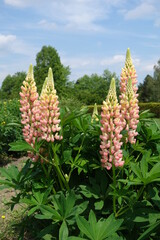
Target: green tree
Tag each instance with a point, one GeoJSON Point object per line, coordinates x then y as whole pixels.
{"type": "Point", "coordinates": [146, 90]}
{"type": "Point", "coordinates": [48, 57]}
{"type": "Point", "coordinates": [157, 81]}
{"type": "Point", "coordinates": [11, 85]}
{"type": "Point", "coordinates": [149, 90]}
{"type": "Point", "coordinates": [93, 89]}
{"type": "Point", "coordinates": [107, 75]}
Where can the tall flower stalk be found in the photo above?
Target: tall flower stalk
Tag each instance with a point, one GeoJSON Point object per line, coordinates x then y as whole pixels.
{"type": "Point", "coordinates": [111, 135]}
{"type": "Point", "coordinates": [128, 99]}
{"type": "Point", "coordinates": [49, 111]}
{"type": "Point", "coordinates": [49, 123]}
{"type": "Point", "coordinates": [30, 109]}
{"type": "Point", "coordinates": [111, 130]}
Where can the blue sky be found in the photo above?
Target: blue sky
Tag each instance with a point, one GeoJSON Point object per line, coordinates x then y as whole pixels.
{"type": "Point", "coordinates": [89, 35]}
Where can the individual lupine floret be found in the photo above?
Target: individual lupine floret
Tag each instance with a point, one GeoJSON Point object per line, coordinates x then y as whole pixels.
{"type": "Point", "coordinates": [111, 130]}
{"type": "Point", "coordinates": [49, 111]}
{"type": "Point", "coordinates": [30, 108]}
{"type": "Point", "coordinates": [95, 113]}
{"type": "Point", "coordinates": [128, 72]}
{"type": "Point", "coordinates": [130, 112]}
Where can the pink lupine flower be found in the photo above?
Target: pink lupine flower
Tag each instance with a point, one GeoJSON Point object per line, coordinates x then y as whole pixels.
{"type": "Point", "coordinates": [49, 123]}
{"type": "Point", "coordinates": [128, 99]}
{"type": "Point", "coordinates": [128, 72]}
{"type": "Point", "coordinates": [29, 108]}
{"type": "Point", "coordinates": [111, 128]}
{"type": "Point", "coordinates": [130, 112]}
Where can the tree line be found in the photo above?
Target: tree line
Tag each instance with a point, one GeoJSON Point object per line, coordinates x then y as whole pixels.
{"type": "Point", "coordinates": [84, 91]}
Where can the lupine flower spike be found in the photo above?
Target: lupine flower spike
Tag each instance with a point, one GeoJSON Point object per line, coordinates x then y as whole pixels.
{"type": "Point", "coordinates": [128, 98]}
{"type": "Point", "coordinates": [49, 110]}
{"type": "Point", "coordinates": [130, 112]}
{"type": "Point", "coordinates": [95, 113]}
{"type": "Point", "coordinates": [29, 108]}
{"type": "Point", "coordinates": [111, 130]}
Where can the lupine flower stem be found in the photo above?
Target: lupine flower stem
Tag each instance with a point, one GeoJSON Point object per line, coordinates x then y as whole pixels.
{"type": "Point", "coordinates": [59, 172]}
{"type": "Point", "coordinates": [114, 185]}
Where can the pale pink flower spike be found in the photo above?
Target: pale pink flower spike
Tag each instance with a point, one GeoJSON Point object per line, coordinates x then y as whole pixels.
{"type": "Point", "coordinates": [128, 99]}
{"type": "Point", "coordinates": [30, 108]}
{"type": "Point", "coordinates": [112, 126]}
{"type": "Point", "coordinates": [49, 123]}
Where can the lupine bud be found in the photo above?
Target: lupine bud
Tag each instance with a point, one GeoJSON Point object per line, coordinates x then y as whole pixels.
{"type": "Point", "coordinates": [95, 113]}
{"type": "Point", "coordinates": [111, 128]}
{"type": "Point", "coordinates": [50, 111]}
{"type": "Point", "coordinates": [131, 114]}
{"type": "Point", "coordinates": [29, 108]}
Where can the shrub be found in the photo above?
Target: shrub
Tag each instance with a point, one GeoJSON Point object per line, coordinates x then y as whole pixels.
{"type": "Point", "coordinates": [10, 127]}
{"type": "Point", "coordinates": [152, 106]}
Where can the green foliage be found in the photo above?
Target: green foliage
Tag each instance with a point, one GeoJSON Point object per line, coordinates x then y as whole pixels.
{"type": "Point", "coordinates": [91, 89]}
{"type": "Point", "coordinates": [154, 107]}
{"type": "Point", "coordinates": [10, 126]}
{"type": "Point", "coordinates": [101, 230]}
{"type": "Point", "coordinates": [46, 58]}
{"type": "Point", "coordinates": [149, 90]}
{"type": "Point", "coordinates": [11, 86]}
{"type": "Point", "coordinates": [67, 186]}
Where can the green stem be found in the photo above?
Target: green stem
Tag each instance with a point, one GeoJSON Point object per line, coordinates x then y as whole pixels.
{"type": "Point", "coordinates": [47, 176]}
{"type": "Point", "coordinates": [81, 144]}
{"type": "Point", "coordinates": [140, 192]}
{"type": "Point", "coordinates": [114, 185]}
{"type": "Point", "coordinates": [61, 177]}
{"type": "Point", "coordinates": [122, 211]}
{"type": "Point", "coordinates": [45, 171]}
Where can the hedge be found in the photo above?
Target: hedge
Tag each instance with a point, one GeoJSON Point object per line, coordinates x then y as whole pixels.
{"type": "Point", "coordinates": [154, 107]}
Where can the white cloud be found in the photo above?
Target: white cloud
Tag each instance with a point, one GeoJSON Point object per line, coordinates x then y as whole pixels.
{"type": "Point", "coordinates": [6, 40]}
{"type": "Point", "coordinates": [148, 67]}
{"type": "Point", "coordinates": [71, 15]}
{"type": "Point", "coordinates": [12, 44]}
{"type": "Point", "coordinates": [113, 60]}
{"type": "Point", "coordinates": [144, 10]}
{"type": "Point", "coordinates": [47, 25]}
{"type": "Point", "coordinates": [22, 3]}
{"type": "Point", "coordinates": [16, 3]}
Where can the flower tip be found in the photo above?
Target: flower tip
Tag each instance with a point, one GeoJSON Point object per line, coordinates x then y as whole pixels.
{"type": "Point", "coordinates": [30, 71]}
{"type": "Point", "coordinates": [113, 84]}
{"type": "Point", "coordinates": [128, 55]}
{"type": "Point", "coordinates": [50, 73]}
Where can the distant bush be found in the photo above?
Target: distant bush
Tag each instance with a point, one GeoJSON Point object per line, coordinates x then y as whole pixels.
{"type": "Point", "coordinates": [154, 107]}
{"type": "Point", "coordinates": [10, 126]}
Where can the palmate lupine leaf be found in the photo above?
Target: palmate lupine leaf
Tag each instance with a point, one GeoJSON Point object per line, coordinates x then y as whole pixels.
{"type": "Point", "coordinates": [98, 230]}
{"type": "Point", "coordinates": [20, 146]}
